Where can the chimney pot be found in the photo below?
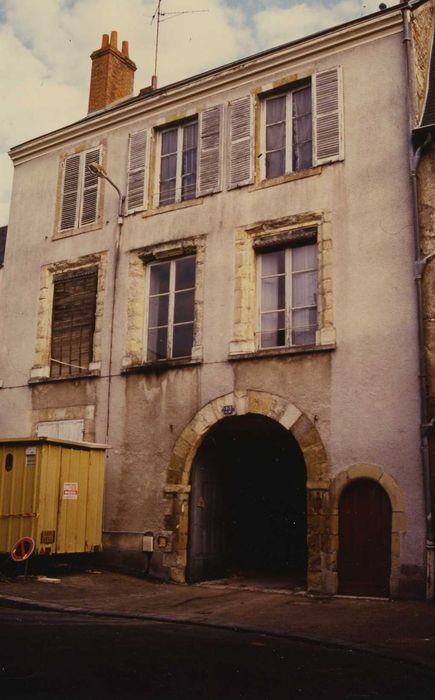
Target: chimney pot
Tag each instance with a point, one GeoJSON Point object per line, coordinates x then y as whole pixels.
{"type": "Point", "coordinates": [112, 75]}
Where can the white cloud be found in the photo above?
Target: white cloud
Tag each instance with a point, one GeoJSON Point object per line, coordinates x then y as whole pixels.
{"type": "Point", "coordinates": [45, 47]}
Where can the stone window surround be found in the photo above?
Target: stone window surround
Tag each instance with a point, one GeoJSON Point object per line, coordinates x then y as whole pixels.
{"type": "Point", "coordinates": [41, 368]}
{"type": "Point", "coordinates": [137, 309]}
{"type": "Point", "coordinates": [88, 145]}
{"type": "Point", "coordinates": [245, 284]}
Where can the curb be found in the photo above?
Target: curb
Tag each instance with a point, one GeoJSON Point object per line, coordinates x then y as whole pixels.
{"type": "Point", "coordinates": [27, 604]}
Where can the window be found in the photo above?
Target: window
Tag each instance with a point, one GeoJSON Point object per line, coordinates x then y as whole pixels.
{"type": "Point", "coordinates": [288, 296]}
{"type": "Point", "coordinates": [302, 125]}
{"type": "Point", "coordinates": [73, 322]}
{"type": "Point", "coordinates": [288, 136]}
{"type": "Point", "coordinates": [62, 429]}
{"type": "Point", "coordinates": [178, 163]}
{"type": "Point", "coordinates": [171, 308]}
{"type": "Point", "coordinates": [80, 190]}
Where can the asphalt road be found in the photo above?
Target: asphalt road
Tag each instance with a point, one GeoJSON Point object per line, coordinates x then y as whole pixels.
{"type": "Point", "coordinates": [63, 657]}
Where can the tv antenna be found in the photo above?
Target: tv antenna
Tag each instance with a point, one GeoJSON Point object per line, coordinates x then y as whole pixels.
{"type": "Point", "coordinates": [160, 16]}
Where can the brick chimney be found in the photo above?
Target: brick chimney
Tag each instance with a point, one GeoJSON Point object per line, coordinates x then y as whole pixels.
{"type": "Point", "coordinates": [112, 75]}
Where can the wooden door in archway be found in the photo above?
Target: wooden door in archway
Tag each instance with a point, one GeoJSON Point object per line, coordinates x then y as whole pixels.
{"type": "Point", "coordinates": [364, 554]}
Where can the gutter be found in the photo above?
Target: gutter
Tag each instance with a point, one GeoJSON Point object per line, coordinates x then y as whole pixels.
{"type": "Point", "coordinates": [420, 263]}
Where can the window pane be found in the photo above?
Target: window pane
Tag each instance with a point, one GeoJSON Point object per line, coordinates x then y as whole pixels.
{"type": "Point", "coordinates": [183, 340]}
{"type": "Point", "coordinates": [275, 137]}
{"type": "Point", "coordinates": [273, 329]}
{"type": "Point", "coordinates": [275, 109]}
{"type": "Point", "coordinates": [273, 293]}
{"type": "Point", "coordinates": [304, 289]}
{"type": "Point", "coordinates": [157, 344]}
{"type": "Point", "coordinates": [189, 162]}
{"type": "Point", "coordinates": [304, 257]}
{"type": "Point", "coordinates": [169, 141]}
{"type": "Point", "coordinates": [185, 273]}
{"type": "Point", "coordinates": [273, 263]}
{"type": "Point", "coordinates": [158, 313]}
{"type": "Point", "coordinates": [302, 129]}
{"type": "Point", "coordinates": [169, 168]}
{"type": "Point", "coordinates": [184, 306]}
{"type": "Point", "coordinates": [303, 155]}
{"type": "Point", "coordinates": [304, 324]}
{"type": "Point", "coordinates": [190, 136]}
{"type": "Point", "coordinates": [275, 164]}
{"type": "Point", "coordinates": [159, 283]}
{"type": "Point", "coordinates": [302, 102]}
{"type": "Point", "coordinates": [167, 192]}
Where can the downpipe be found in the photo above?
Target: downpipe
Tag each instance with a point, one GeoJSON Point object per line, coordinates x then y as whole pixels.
{"type": "Point", "coordinates": [420, 263]}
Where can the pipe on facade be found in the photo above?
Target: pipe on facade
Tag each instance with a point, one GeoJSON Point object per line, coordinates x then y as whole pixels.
{"type": "Point", "coordinates": [414, 161]}
{"type": "Point", "coordinates": [101, 173]}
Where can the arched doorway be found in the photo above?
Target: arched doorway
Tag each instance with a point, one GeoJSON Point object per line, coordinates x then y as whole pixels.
{"type": "Point", "coordinates": [364, 532]}
{"type": "Point", "coordinates": [248, 503]}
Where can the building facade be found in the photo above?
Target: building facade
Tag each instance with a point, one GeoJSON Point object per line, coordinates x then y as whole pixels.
{"type": "Point", "coordinates": [220, 285]}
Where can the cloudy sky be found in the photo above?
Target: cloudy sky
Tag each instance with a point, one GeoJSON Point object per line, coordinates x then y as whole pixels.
{"type": "Point", "coordinates": [45, 47]}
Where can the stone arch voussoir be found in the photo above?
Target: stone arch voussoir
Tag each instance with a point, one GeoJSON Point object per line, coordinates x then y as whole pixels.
{"type": "Point", "coordinates": [241, 402]}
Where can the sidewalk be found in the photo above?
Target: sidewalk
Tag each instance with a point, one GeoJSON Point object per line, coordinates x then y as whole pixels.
{"type": "Point", "coordinates": [399, 629]}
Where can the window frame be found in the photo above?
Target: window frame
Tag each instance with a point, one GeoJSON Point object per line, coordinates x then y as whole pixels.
{"type": "Point", "coordinates": [172, 261]}
{"type": "Point", "coordinates": [61, 278]}
{"type": "Point", "coordinates": [287, 92]}
{"type": "Point", "coordinates": [289, 307]}
{"type": "Point", "coordinates": [180, 127]}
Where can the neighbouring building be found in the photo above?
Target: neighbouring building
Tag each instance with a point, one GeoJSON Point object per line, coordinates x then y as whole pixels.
{"type": "Point", "coordinates": [219, 282]}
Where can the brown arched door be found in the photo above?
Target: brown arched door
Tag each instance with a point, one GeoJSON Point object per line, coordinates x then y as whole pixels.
{"type": "Point", "coordinates": [364, 554]}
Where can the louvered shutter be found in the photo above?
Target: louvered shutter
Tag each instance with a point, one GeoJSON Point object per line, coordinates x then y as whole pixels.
{"type": "Point", "coordinates": [73, 321]}
{"type": "Point", "coordinates": [328, 116]}
{"type": "Point", "coordinates": [210, 147]}
{"type": "Point", "coordinates": [90, 189]}
{"type": "Point", "coordinates": [240, 169]}
{"type": "Point", "coordinates": [70, 191]}
{"type": "Point", "coordinates": [136, 170]}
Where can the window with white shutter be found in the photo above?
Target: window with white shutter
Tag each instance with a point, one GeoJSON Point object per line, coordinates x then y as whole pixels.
{"type": "Point", "coordinates": [136, 171]}
{"type": "Point", "coordinates": [80, 190]}
{"type": "Point", "coordinates": [240, 170]}
{"type": "Point", "coordinates": [302, 125]}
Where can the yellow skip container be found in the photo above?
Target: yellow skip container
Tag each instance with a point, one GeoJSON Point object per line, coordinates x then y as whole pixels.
{"type": "Point", "coordinates": [51, 490]}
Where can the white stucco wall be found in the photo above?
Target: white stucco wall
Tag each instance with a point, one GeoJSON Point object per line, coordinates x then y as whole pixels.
{"type": "Point", "coordinates": [364, 394]}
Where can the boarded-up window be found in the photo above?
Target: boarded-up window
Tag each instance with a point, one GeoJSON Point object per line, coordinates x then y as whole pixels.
{"type": "Point", "coordinates": [80, 190]}
{"type": "Point", "coordinates": [61, 429]}
{"type": "Point", "coordinates": [73, 322]}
